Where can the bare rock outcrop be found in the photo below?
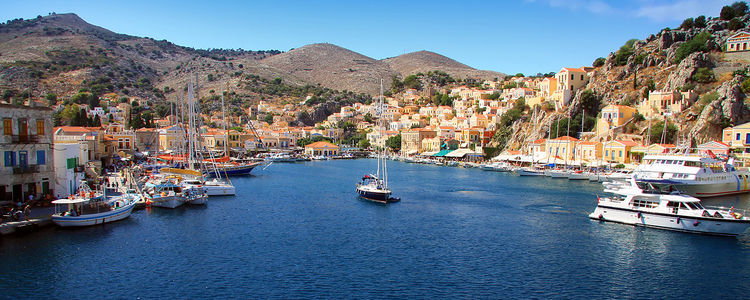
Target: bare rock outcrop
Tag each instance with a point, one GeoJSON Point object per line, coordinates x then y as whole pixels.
{"type": "Point", "coordinates": [682, 73]}
{"type": "Point", "coordinates": [728, 107]}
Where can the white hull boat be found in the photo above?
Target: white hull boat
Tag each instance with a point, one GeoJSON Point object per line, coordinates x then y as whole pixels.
{"type": "Point", "coordinates": [579, 175]}
{"type": "Point", "coordinates": [673, 211]}
{"type": "Point", "coordinates": [557, 174]}
{"type": "Point", "coordinates": [81, 211]}
{"type": "Point", "coordinates": [530, 172]}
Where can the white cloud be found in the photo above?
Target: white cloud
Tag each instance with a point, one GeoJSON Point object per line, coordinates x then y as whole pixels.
{"type": "Point", "coordinates": [679, 10]}
{"type": "Point", "coordinates": [594, 6]}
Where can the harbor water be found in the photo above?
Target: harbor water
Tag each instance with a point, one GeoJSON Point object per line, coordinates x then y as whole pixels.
{"type": "Point", "coordinates": [299, 231]}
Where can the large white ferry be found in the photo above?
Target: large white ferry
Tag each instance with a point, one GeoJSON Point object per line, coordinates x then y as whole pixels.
{"type": "Point", "coordinates": [693, 174]}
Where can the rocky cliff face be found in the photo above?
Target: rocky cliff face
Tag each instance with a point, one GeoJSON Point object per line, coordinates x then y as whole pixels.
{"type": "Point", "coordinates": [728, 109]}
{"type": "Point", "coordinates": [682, 74]}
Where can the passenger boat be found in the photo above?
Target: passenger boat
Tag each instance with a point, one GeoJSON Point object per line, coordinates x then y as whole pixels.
{"type": "Point", "coordinates": [694, 174]}
{"type": "Point", "coordinates": [90, 208]}
{"type": "Point", "coordinates": [373, 187]}
{"type": "Point", "coordinates": [667, 209]}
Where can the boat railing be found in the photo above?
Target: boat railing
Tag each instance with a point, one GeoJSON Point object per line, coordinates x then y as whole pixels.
{"type": "Point", "coordinates": [736, 212]}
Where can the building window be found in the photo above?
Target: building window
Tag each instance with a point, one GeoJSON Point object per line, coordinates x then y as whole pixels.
{"type": "Point", "coordinates": [40, 127]}
{"type": "Point", "coordinates": [581, 77]}
{"type": "Point", "coordinates": [572, 77]}
{"type": "Point", "coordinates": [620, 154]}
{"type": "Point", "coordinates": [41, 157]}
{"type": "Point", "coordinates": [7, 126]}
{"type": "Point", "coordinates": [738, 137]}
{"type": "Point", "coordinates": [10, 158]}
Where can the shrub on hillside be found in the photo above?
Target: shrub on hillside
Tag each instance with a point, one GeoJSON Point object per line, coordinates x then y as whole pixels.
{"type": "Point", "coordinates": [703, 75]}
{"type": "Point", "coordinates": [599, 62]}
{"type": "Point", "coordinates": [696, 44]}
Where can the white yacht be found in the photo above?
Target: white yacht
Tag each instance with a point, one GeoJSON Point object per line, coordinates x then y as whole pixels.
{"type": "Point", "coordinates": [212, 187]}
{"type": "Point", "coordinates": [556, 173]}
{"type": "Point", "coordinates": [667, 210]}
{"type": "Point", "coordinates": [693, 174]}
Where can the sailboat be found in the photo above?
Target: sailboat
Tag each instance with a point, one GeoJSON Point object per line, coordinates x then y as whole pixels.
{"type": "Point", "coordinates": [373, 187]}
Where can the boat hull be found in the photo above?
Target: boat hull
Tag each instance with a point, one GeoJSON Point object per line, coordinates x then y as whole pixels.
{"type": "Point", "coordinates": [377, 196]}
{"type": "Point", "coordinates": [219, 190]}
{"type": "Point", "coordinates": [167, 201]}
{"type": "Point", "coordinates": [705, 225]}
{"type": "Point", "coordinates": [526, 172]}
{"type": "Point", "coordinates": [94, 219]}
{"type": "Point", "coordinates": [704, 190]}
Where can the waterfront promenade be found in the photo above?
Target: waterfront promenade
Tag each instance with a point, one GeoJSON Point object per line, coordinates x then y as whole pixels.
{"type": "Point", "coordinates": [299, 231]}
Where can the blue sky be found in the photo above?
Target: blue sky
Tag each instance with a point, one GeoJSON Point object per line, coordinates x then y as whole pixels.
{"type": "Point", "coordinates": [527, 36]}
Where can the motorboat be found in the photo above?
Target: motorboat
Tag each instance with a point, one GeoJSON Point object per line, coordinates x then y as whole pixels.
{"type": "Point", "coordinates": [667, 209]}
{"type": "Point", "coordinates": [694, 174]}
{"type": "Point", "coordinates": [88, 208]}
{"type": "Point", "coordinates": [212, 187]}
{"type": "Point", "coordinates": [164, 193]}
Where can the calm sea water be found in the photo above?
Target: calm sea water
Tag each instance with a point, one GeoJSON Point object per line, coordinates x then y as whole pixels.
{"type": "Point", "coordinates": [299, 231]}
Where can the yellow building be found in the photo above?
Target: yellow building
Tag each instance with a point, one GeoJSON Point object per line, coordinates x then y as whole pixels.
{"type": "Point", "coordinates": [618, 151]}
{"type": "Point", "coordinates": [171, 138]}
{"type": "Point", "coordinates": [562, 147]}
{"type": "Point", "coordinates": [738, 42]}
{"type": "Point", "coordinates": [588, 151]}
{"type": "Point", "coordinates": [548, 86]}
{"type": "Point", "coordinates": [431, 144]}
{"type": "Point", "coordinates": [738, 137]}
{"type": "Point", "coordinates": [322, 148]}
{"type": "Point", "coordinates": [411, 140]}
{"type": "Point", "coordinates": [614, 116]}
{"type": "Point", "coordinates": [670, 102]}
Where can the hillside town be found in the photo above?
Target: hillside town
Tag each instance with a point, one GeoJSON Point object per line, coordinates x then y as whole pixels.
{"type": "Point", "coordinates": [42, 160]}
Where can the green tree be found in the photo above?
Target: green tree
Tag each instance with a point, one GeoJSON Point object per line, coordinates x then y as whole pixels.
{"type": "Point", "coordinates": [519, 75]}
{"type": "Point", "coordinates": [736, 24]}
{"type": "Point", "coordinates": [599, 62]}
{"type": "Point", "coordinates": [268, 118]}
{"type": "Point", "coordinates": [727, 13]}
{"type": "Point", "coordinates": [657, 130]}
{"type": "Point", "coordinates": [51, 99]}
{"type": "Point", "coordinates": [394, 142]}
{"type": "Point", "coordinates": [700, 22]}
{"type": "Point", "coordinates": [368, 118]}
{"type": "Point", "coordinates": [363, 144]}
{"type": "Point", "coordinates": [412, 82]}
{"type": "Point", "coordinates": [622, 55]}
{"type": "Point", "coordinates": [396, 84]}
{"type": "Point", "coordinates": [687, 24]}
{"type": "Point", "coordinates": [739, 8]}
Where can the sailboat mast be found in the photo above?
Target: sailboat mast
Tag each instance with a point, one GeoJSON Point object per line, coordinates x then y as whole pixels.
{"type": "Point", "coordinates": [382, 156]}
{"type": "Point", "coordinates": [224, 119]}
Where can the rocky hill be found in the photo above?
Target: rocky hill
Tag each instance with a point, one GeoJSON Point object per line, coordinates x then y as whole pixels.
{"type": "Point", "coordinates": [62, 54]}
{"type": "Point", "coordinates": [691, 57]}
{"type": "Point", "coordinates": [333, 67]}
{"type": "Point", "coordinates": [426, 61]}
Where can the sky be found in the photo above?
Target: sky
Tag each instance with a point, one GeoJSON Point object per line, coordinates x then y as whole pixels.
{"type": "Point", "coordinates": [528, 36]}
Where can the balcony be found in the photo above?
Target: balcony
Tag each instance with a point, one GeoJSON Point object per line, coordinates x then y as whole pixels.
{"type": "Point", "coordinates": [30, 169]}
{"type": "Point", "coordinates": [24, 139]}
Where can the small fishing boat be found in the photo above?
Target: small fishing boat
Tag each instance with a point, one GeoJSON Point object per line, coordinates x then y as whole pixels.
{"type": "Point", "coordinates": [164, 193]}
{"type": "Point", "coordinates": [90, 208]}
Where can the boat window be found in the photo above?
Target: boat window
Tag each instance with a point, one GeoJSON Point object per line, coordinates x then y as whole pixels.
{"type": "Point", "coordinates": [691, 164]}
{"type": "Point", "coordinates": [698, 205]}
{"type": "Point", "coordinates": [718, 215]}
{"type": "Point", "coordinates": [682, 205]}
{"type": "Point", "coordinates": [706, 214]}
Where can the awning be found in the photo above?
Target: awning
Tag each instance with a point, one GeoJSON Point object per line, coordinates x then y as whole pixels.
{"type": "Point", "coordinates": [412, 152]}
{"type": "Point", "coordinates": [431, 153]}
{"type": "Point", "coordinates": [459, 153]}
{"type": "Point", "coordinates": [442, 153]}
